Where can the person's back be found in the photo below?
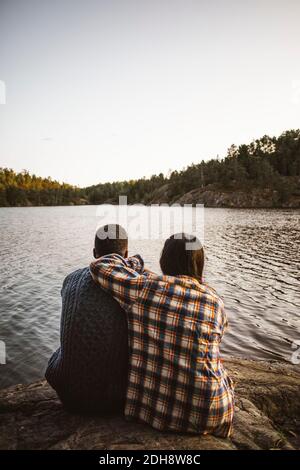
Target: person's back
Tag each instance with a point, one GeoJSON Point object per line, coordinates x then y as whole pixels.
{"type": "Point", "coordinates": [176, 323]}
{"type": "Point", "coordinates": [89, 370]}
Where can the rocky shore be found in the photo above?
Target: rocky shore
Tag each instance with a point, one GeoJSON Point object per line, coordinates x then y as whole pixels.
{"type": "Point", "coordinates": [209, 196]}
{"type": "Point", "coordinates": [267, 416]}
{"type": "Point", "coordinates": [256, 199]}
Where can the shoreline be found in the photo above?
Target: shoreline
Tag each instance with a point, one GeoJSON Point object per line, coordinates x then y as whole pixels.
{"type": "Point", "coordinates": [162, 203]}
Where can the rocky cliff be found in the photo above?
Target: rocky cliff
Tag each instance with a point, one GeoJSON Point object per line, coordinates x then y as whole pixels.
{"type": "Point", "coordinates": [267, 416]}
{"type": "Point", "coordinates": [240, 199]}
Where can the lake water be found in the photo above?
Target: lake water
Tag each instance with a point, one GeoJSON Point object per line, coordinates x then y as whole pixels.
{"type": "Point", "coordinates": [253, 262]}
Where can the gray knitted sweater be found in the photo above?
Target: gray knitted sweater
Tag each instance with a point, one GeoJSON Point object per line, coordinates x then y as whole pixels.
{"type": "Point", "coordinates": [89, 370]}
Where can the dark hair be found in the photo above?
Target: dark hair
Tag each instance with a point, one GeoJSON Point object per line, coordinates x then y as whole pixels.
{"type": "Point", "coordinates": [176, 259]}
{"type": "Point", "coordinates": [111, 238]}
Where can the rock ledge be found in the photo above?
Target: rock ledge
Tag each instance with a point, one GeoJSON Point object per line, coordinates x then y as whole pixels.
{"type": "Point", "coordinates": [267, 416]}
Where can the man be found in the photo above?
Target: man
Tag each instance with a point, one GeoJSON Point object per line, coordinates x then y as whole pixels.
{"type": "Point", "coordinates": [89, 370]}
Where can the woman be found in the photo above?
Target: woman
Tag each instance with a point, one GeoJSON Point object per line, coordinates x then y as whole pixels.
{"type": "Point", "coordinates": [176, 380]}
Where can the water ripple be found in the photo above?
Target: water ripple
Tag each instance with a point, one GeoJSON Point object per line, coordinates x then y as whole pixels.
{"type": "Point", "coordinates": [253, 262]}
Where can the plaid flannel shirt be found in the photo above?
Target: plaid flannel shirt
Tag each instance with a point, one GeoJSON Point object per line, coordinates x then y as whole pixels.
{"type": "Point", "coordinates": [176, 380]}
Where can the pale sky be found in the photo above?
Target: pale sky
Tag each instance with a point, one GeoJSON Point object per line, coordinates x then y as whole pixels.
{"type": "Point", "coordinates": [103, 90]}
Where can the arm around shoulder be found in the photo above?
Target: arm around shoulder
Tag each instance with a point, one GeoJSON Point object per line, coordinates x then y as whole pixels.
{"type": "Point", "coordinates": [122, 277]}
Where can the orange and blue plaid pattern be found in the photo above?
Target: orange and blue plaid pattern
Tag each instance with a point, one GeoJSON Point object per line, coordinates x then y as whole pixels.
{"type": "Point", "coordinates": [176, 380]}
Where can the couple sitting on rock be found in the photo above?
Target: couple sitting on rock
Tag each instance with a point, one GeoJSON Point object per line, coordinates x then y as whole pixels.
{"type": "Point", "coordinates": [141, 343]}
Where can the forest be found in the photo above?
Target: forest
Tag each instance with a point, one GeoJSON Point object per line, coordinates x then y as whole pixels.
{"type": "Point", "coordinates": [267, 163]}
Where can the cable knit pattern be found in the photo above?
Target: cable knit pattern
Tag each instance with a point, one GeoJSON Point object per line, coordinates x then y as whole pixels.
{"type": "Point", "coordinates": [89, 370]}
